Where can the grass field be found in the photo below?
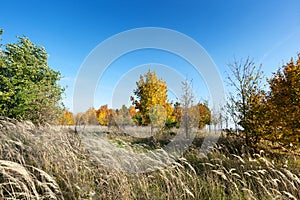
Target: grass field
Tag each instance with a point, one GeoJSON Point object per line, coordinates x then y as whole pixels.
{"type": "Point", "coordinates": [54, 163]}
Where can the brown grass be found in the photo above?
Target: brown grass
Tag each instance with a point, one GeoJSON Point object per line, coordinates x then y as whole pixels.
{"type": "Point", "coordinates": [52, 163]}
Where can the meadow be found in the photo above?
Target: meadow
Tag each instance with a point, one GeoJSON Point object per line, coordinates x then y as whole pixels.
{"type": "Point", "coordinates": [53, 162]}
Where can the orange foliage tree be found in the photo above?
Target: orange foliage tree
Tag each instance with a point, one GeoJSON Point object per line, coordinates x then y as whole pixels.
{"type": "Point", "coordinates": [283, 105]}
{"type": "Point", "coordinates": [205, 115]}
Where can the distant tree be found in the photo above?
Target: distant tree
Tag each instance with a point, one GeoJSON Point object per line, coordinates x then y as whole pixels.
{"type": "Point", "coordinates": [81, 119]}
{"type": "Point", "coordinates": [67, 118]}
{"type": "Point", "coordinates": [232, 112]}
{"type": "Point", "coordinates": [106, 116]}
{"type": "Point", "coordinates": [29, 88]}
{"type": "Point", "coordinates": [103, 115]}
{"type": "Point", "coordinates": [177, 113]}
{"type": "Point", "coordinates": [190, 113]}
{"type": "Point", "coordinates": [215, 120]}
{"type": "Point", "coordinates": [205, 115]}
{"type": "Point", "coordinates": [132, 111]}
{"type": "Point", "coordinates": [150, 92]}
{"type": "Point", "coordinates": [283, 105]}
{"type": "Point", "coordinates": [123, 116]}
{"type": "Point", "coordinates": [245, 79]}
{"type": "Point", "coordinates": [91, 117]}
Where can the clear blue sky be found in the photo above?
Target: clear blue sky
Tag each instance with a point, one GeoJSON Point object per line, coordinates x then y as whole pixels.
{"type": "Point", "coordinates": [266, 30]}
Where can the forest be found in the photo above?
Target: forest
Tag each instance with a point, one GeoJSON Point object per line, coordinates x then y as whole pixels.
{"type": "Point", "coordinates": [48, 152]}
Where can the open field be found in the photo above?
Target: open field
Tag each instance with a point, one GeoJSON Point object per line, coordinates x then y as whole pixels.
{"type": "Point", "coordinates": [54, 163]}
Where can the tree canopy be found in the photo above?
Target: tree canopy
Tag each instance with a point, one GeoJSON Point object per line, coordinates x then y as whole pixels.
{"type": "Point", "coordinates": [272, 115]}
{"type": "Point", "coordinates": [29, 88]}
{"type": "Point", "coordinates": [151, 93]}
{"type": "Point", "coordinates": [283, 104]}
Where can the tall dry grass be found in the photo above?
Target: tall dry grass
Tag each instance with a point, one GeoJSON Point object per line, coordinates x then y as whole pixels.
{"type": "Point", "coordinates": [52, 163]}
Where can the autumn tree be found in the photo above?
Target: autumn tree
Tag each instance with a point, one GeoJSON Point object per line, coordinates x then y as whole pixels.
{"type": "Point", "coordinates": [105, 115]}
{"type": "Point", "coordinates": [204, 115]}
{"type": "Point", "coordinates": [29, 88]}
{"type": "Point", "coordinates": [157, 116]}
{"type": "Point", "coordinates": [91, 117]}
{"type": "Point", "coordinates": [151, 92]}
{"type": "Point", "coordinates": [284, 104]}
{"type": "Point", "coordinates": [177, 113]}
{"type": "Point", "coordinates": [67, 118]}
{"type": "Point", "coordinates": [171, 117]}
{"type": "Point", "coordinates": [102, 115]}
{"type": "Point", "coordinates": [132, 111]}
{"type": "Point", "coordinates": [246, 97]}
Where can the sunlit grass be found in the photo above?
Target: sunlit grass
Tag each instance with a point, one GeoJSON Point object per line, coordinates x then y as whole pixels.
{"type": "Point", "coordinates": [52, 163]}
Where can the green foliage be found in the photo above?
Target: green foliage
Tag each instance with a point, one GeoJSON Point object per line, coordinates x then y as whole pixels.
{"type": "Point", "coordinates": [29, 88]}
{"type": "Point", "coordinates": [138, 119]}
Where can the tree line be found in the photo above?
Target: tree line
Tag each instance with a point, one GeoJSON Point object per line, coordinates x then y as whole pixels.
{"type": "Point", "coordinates": [30, 90]}
{"type": "Point", "coordinates": [150, 106]}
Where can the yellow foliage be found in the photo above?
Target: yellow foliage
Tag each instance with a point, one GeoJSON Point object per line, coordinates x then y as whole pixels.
{"type": "Point", "coordinates": [151, 92]}
{"type": "Point", "coordinates": [283, 104]}
{"type": "Point", "coordinates": [105, 115]}
{"type": "Point", "coordinates": [67, 118]}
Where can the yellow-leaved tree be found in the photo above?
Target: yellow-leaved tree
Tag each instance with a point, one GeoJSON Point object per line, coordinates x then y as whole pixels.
{"type": "Point", "coordinates": [67, 118]}
{"type": "Point", "coordinates": [283, 105]}
{"type": "Point", "coordinates": [151, 99]}
{"type": "Point", "coordinates": [105, 115]}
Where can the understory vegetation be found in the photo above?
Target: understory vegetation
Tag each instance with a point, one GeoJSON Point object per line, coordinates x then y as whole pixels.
{"type": "Point", "coordinates": [52, 163]}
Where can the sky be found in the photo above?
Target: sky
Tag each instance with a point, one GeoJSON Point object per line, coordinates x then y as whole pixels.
{"type": "Point", "coordinates": [268, 31]}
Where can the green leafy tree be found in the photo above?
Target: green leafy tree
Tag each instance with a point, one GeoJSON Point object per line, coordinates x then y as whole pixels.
{"type": "Point", "coordinates": [29, 88]}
